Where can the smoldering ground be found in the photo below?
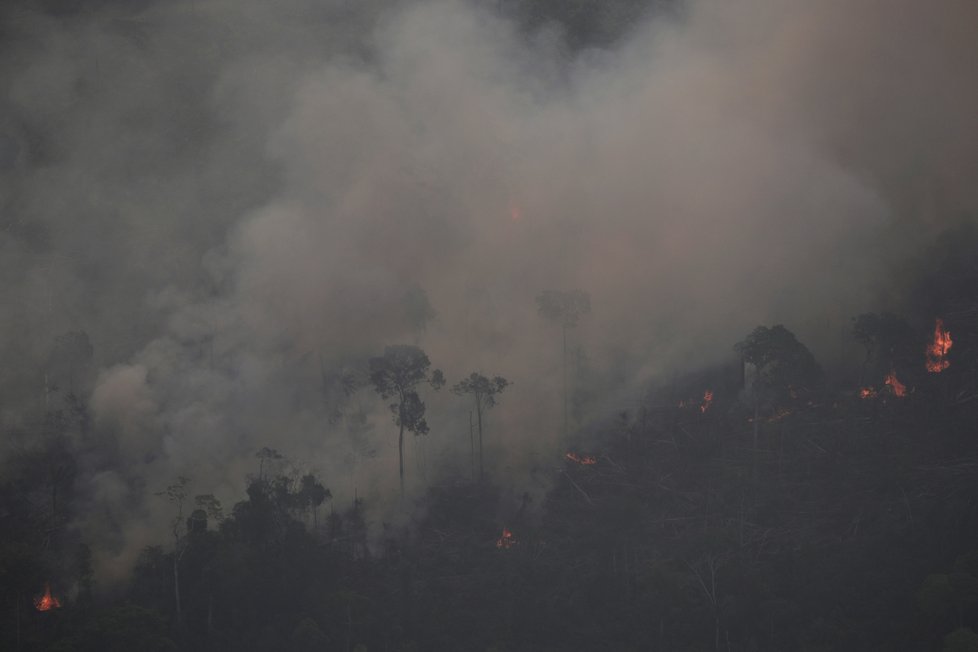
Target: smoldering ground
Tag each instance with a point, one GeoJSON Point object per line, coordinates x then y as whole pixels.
{"type": "Point", "coordinates": [233, 201]}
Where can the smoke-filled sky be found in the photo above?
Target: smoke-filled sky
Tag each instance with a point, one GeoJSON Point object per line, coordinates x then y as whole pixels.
{"type": "Point", "coordinates": [234, 200]}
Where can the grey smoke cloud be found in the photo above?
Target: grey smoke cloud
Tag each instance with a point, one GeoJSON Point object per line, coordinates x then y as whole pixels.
{"type": "Point", "coordinates": [232, 199]}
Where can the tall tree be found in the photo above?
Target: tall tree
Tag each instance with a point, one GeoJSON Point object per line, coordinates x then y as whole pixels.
{"type": "Point", "coordinates": [564, 309]}
{"type": "Point", "coordinates": [176, 494]}
{"type": "Point", "coordinates": [396, 374]}
{"type": "Point", "coordinates": [484, 391]}
{"type": "Point", "coordinates": [418, 310]}
{"type": "Point", "coordinates": [782, 367]}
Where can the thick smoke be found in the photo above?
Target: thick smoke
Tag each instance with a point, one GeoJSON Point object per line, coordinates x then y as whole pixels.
{"type": "Point", "coordinates": [236, 201]}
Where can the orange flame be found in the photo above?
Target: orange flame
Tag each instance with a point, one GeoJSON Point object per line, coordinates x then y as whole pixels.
{"type": "Point", "coordinates": [586, 460]}
{"type": "Point", "coordinates": [937, 350]}
{"type": "Point", "coordinates": [895, 385]}
{"type": "Point", "coordinates": [867, 392]}
{"type": "Point", "coordinates": [506, 540]}
{"type": "Point", "coordinates": [707, 400]}
{"type": "Point", "coordinates": [46, 602]}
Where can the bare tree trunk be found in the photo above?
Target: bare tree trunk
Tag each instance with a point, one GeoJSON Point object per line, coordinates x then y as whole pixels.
{"type": "Point", "coordinates": [176, 588]}
{"type": "Point", "coordinates": [472, 445]}
{"type": "Point", "coordinates": [210, 614]}
{"type": "Point", "coordinates": [478, 410]}
{"type": "Point", "coordinates": [349, 628]}
{"type": "Point", "coordinates": [757, 426]}
{"type": "Point", "coordinates": [564, 356]}
{"type": "Point", "coordinates": [400, 455]}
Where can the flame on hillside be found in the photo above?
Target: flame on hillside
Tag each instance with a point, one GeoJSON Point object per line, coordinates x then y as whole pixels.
{"type": "Point", "coordinates": [938, 348]}
{"type": "Point", "coordinates": [46, 602]}
{"type": "Point", "coordinates": [898, 388]}
{"type": "Point", "coordinates": [867, 392]}
{"type": "Point", "coordinates": [585, 460]}
{"type": "Point", "coordinates": [506, 540]}
{"type": "Point", "coordinates": [707, 401]}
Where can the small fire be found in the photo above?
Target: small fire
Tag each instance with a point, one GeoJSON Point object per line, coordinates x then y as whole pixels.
{"type": "Point", "coordinates": [937, 350]}
{"type": "Point", "coordinates": [586, 460]}
{"type": "Point", "coordinates": [707, 400]}
{"type": "Point", "coordinates": [895, 385]}
{"type": "Point", "coordinates": [506, 540]}
{"type": "Point", "coordinates": [515, 213]}
{"type": "Point", "coordinates": [46, 602]}
{"type": "Point", "coordinates": [867, 392]}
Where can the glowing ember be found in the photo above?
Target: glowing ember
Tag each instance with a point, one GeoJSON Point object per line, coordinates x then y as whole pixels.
{"type": "Point", "coordinates": [895, 385]}
{"type": "Point", "coordinates": [46, 602]}
{"type": "Point", "coordinates": [515, 213]}
{"type": "Point", "coordinates": [937, 350]}
{"type": "Point", "coordinates": [506, 540]}
{"type": "Point", "coordinates": [707, 400]}
{"type": "Point", "coordinates": [586, 460]}
{"type": "Point", "coordinates": [867, 392]}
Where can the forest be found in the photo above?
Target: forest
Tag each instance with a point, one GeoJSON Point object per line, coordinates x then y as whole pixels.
{"type": "Point", "coordinates": [488, 326]}
{"type": "Point", "coordinates": [754, 505]}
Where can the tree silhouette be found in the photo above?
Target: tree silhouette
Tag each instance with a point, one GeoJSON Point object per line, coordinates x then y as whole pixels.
{"type": "Point", "coordinates": [782, 366]}
{"type": "Point", "coordinates": [418, 310]}
{"type": "Point", "coordinates": [484, 391]}
{"type": "Point", "coordinates": [564, 309]}
{"type": "Point", "coordinates": [396, 374]}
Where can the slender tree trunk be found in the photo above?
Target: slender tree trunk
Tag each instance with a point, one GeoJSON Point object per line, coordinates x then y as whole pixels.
{"type": "Point", "coordinates": [400, 455]}
{"type": "Point", "coordinates": [478, 411]}
{"type": "Point", "coordinates": [210, 614]}
{"type": "Point", "coordinates": [757, 426]}
{"type": "Point", "coordinates": [349, 628]}
{"type": "Point", "coordinates": [472, 444]}
{"type": "Point", "coordinates": [176, 588]}
{"type": "Point", "coordinates": [564, 356]}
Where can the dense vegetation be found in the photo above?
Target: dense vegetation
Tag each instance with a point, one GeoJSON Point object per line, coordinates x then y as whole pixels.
{"type": "Point", "coordinates": [779, 511]}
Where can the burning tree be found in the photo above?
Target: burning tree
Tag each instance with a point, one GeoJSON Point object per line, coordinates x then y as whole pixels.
{"type": "Point", "coordinates": [938, 348]}
{"type": "Point", "coordinates": [565, 309]}
{"type": "Point", "coordinates": [484, 391]}
{"type": "Point", "coordinates": [396, 374]}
